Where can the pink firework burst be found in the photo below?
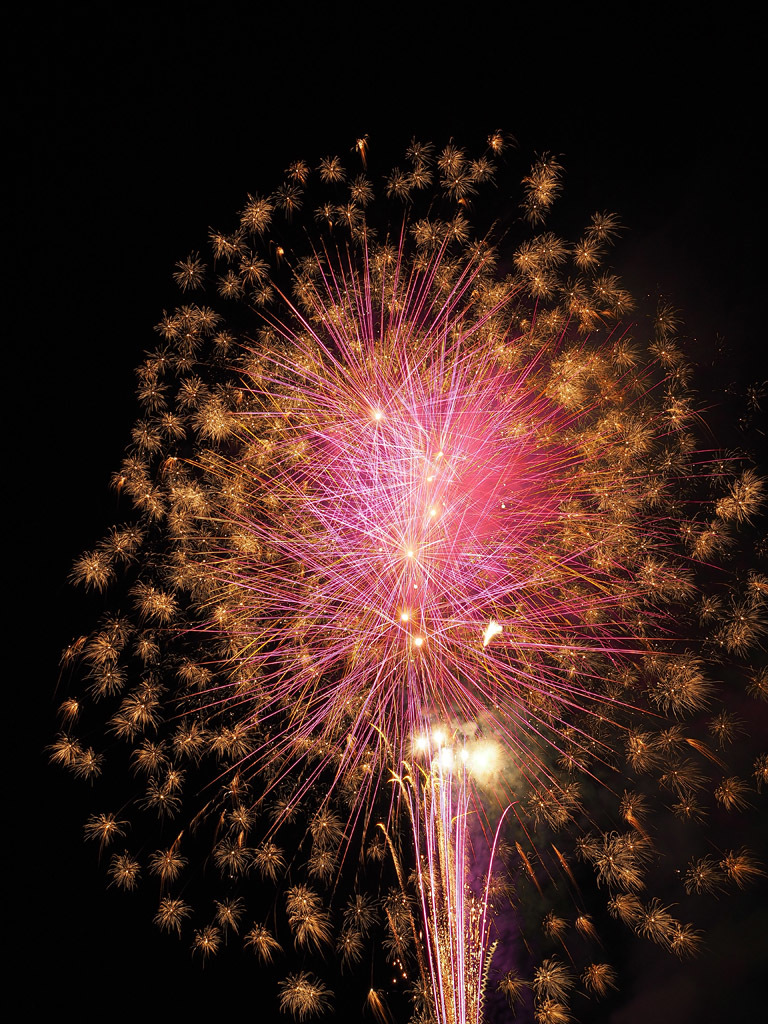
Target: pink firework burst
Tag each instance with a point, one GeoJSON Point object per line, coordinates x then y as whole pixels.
{"type": "Point", "coordinates": [415, 507]}
{"type": "Point", "coordinates": [433, 535]}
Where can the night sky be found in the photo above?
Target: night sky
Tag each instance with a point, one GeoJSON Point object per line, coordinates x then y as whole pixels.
{"type": "Point", "coordinates": [132, 133]}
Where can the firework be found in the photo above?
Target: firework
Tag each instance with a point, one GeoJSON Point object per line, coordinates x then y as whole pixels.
{"type": "Point", "coordinates": [415, 474]}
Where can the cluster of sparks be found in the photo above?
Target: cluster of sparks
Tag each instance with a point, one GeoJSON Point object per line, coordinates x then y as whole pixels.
{"type": "Point", "coordinates": [426, 492]}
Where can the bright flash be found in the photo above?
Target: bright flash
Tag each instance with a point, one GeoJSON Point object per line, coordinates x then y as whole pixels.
{"type": "Point", "coordinates": [491, 630]}
{"type": "Point", "coordinates": [483, 759]}
{"type": "Point", "coordinates": [418, 641]}
{"type": "Point", "coordinates": [445, 758]}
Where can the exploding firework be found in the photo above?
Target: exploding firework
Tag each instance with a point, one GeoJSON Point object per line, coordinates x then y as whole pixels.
{"type": "Point", "coordinates": [421, 570]}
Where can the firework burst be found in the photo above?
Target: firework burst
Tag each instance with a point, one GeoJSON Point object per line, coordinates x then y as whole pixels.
{"type": "Point", "coordinates": [419, 476]}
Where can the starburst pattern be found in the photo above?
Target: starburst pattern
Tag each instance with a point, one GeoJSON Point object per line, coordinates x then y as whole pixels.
{"type": "Point", "coordinates": [422, 563]}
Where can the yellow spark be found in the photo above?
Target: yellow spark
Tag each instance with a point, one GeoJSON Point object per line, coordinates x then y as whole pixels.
{"type": "Point", "coordinates": [492, 629]}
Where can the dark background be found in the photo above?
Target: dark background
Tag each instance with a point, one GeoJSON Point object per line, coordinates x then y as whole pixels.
{"type": "Point", "coordinates": [132, 132]}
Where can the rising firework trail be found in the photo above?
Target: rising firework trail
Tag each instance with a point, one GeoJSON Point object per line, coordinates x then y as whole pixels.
{"type": "Point", "coordinates": [416, 468]}
{"type": "Point", "coordinates": [456, 920]}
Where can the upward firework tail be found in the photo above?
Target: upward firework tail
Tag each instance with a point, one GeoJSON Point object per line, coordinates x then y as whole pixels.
{"type": "Point", "coordinates": [441, 797]}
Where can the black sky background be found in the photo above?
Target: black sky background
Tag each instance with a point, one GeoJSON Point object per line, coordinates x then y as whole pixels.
{"type": "Point", "coordinates": [131, 132]}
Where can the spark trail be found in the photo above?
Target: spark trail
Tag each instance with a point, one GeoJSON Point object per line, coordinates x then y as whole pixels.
{"type": "Point", "coordinates": [441, 802]}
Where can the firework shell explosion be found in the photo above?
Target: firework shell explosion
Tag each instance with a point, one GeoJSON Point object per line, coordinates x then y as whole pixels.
{"type": "Point", "coordinates": [422, 602]}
